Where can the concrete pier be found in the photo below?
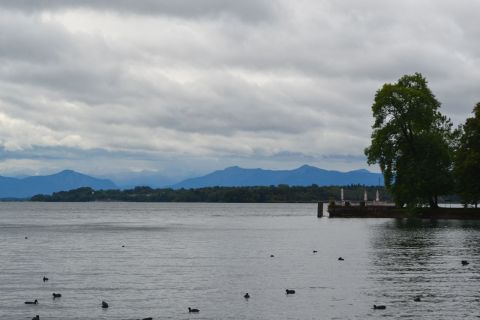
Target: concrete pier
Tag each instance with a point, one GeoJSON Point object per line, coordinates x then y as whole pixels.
{"type": "Point", "coordinates": [390, 211]}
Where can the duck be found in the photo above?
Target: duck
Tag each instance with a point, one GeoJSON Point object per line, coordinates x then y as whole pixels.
{"type": "Point", "coordinates": [37, 317]}
{"type": "Point", "coordinates": [45, 279]}
{"type": "Point", "coordinates": [32, 302]}
{"type": "Point", "coordinates": [246, 296]}
{"type": "Point", "coordinates": [315, 251]}
{"type": "Point", "coordinates": [379, 307]}
{"type": "Point", "coordinates": [465, 262]}
{"type": "Point", "coordinates": [417, 298]}
{"type": "Point", "coordinates": [289, 291]}
{"type": "Point", "coordinates": [104, 305]}
{"type": "Point", "coordinates": [56, 295]}
{"type": "Point", "coordinates": [193, 310]}
{"type": "Point", "coordinates": [340, 259]}
{"type": "Point", "coordinates": [271, 256]}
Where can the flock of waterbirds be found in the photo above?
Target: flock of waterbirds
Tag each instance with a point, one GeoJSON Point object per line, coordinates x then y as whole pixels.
{"type": "Point", "coordinates": [105, 305]}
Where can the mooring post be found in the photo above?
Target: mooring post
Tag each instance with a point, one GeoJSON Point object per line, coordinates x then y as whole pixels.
{"type": "Point", "coordinates": [320, 210]}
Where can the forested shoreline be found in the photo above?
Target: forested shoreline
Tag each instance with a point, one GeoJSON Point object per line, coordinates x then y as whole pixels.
{"type": "Point", "coordinates": [270, 194]}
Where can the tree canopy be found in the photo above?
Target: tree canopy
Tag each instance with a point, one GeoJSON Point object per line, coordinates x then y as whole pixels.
{"type": "Point", "coordinates": [467, 159]}
{"type": "Point", "coordinates": [411, 141]}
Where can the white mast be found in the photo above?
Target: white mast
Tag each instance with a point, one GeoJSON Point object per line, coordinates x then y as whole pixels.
{"type": "Point", "coordinates": [365, 196]}
{"type": "Point", "coordinates": [377, 197]}
{"type": "Point", "coordinates": [341, 194]}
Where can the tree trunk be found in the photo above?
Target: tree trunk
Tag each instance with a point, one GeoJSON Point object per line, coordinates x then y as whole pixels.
{"type": "Point", "coordinates": [433, 202]}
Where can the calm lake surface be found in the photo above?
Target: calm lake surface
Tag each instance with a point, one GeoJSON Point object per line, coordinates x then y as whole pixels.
{"type": "Point", "coordinates": [209, 255]}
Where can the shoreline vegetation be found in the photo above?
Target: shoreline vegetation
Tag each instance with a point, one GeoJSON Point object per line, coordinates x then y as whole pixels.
{"type": "Point", "coordinates": [270, 194]}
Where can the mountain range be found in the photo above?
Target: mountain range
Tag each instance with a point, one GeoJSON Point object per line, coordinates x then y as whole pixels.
{"type": "Point", "coordinates": [21, 188]}
{"type": "Point", "coordinates": [302, 176]}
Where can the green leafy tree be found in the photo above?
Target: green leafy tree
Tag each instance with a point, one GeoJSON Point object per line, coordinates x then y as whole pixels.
{"type": "Point", "coordinates": [411, 141]}
{"type": "Point", "coordinates": [467, 159]}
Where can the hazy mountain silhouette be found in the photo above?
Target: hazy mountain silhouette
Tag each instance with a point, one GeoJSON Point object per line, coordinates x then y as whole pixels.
{"type": "Point", "coordinates": [303, 176]}
{"type": "Point", "coordinates": [62, 181]}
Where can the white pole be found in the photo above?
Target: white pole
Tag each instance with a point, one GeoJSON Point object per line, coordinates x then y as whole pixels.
{"type": "Point", "coordinates": [341, 194]}
{"type": "Point", "coordinates": [365, 196]}
{"type": "Point", "coordinates": [377, 197]}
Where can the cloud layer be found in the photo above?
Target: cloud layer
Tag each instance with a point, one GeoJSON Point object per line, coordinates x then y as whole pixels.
{"type": "Point", "coordinates": [169, 85]}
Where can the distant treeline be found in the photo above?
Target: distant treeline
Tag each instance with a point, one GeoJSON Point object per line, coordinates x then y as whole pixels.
{"type": "Point", "coordinates": [280, 193]}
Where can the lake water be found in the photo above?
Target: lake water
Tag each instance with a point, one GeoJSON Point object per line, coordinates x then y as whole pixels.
{"type": "Point", "coordinates": [209, 255]}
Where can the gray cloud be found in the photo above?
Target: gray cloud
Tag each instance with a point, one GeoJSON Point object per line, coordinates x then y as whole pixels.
{"type": "Point", "coordinates": [250, 10]}
{"type": "Point", "coordinates": [165, 85]}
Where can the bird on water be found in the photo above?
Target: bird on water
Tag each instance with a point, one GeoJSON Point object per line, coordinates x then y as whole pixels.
{"type": "Point", "coordinates": [37, 317]}
{"type": "Point", "coordinates": [193, 310]}
{"type": "Point", "coordinates": [465, 262]}
{"type": "Point", "coordinates": [45, 279]}
{"type": "Point", "coordinates": [32, 302]}
{"type": "Point", "coordinates": [340, 259]}
{"type": "Point", "coordinates": [289, 291]}
{"type": "Point", "coordinates": [246, 296]}
{"type": "Point", "coordinates": [104, 305]}
{"type": "Point", "coordinates": [380, 307]}
{"type": "Point", "coordinates": [56, 295]}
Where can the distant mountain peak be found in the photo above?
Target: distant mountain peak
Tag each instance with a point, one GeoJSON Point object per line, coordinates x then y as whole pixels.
{"type": "Point", "coordinates": [68, 171]}
{"type": "Point", "coordinates": [61, 181]}
{"type": "Point", "coordinates": [306, 167]}
{"type": "Point", "coordinates": [232, 168]}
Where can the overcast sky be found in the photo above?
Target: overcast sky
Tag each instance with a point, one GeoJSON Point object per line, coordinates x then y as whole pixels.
{"type": "Point", "coordinates": [185, 87]}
